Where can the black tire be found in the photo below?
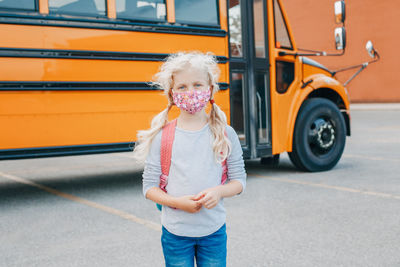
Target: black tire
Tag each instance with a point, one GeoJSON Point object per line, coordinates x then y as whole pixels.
{"type": "Point", "coordinates": [319, 136]}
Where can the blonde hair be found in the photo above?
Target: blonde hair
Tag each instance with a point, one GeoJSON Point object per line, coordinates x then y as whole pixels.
{"type": "Point", "coordinates": [174, 63]}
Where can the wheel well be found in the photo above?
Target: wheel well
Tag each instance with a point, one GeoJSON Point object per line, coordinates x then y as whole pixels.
{"type": "Point", "coordinates": [337, 100]}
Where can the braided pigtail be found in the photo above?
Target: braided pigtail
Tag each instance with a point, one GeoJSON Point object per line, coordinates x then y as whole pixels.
{"type": "Point", "coordinates": [221, 143]}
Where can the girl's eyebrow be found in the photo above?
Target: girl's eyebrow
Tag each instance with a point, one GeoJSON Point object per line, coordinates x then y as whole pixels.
{"type": "Point", "coordinates": [180, 84]}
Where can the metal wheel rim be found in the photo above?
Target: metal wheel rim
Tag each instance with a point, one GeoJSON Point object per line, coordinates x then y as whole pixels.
{"type": "Point", "coordinates": [322, 136]}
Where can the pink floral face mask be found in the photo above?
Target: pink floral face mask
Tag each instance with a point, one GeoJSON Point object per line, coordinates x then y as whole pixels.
{"type": "Point", "coordinates": [191, 101]}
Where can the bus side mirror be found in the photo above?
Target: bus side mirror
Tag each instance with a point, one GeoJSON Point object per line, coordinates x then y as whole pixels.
{"type": "Point", "coordinates": [340, 38]}
{"type": "Point", "coordinates": [370, 48]}
{"type": "Point", "coordinates": [340, 12]}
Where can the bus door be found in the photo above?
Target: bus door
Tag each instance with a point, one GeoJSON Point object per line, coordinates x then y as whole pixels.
{"type": "Point", "coordinates": [249, 76]}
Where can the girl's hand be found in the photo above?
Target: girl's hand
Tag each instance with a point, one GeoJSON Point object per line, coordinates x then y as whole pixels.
{"type": "Point", "coordinates": [209, 198]}
{"type": "Point", "coordinates": [188, 204]}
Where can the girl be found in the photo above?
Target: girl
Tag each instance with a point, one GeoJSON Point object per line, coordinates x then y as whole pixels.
{"type": "Point", "coordinates": [193, 215]}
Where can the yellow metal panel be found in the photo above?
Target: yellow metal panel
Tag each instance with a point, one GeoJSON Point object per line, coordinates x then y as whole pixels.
{"type": "Point", "coordinates": [311, 70]}
{"type": "Point", "coordinates": [322, 81]}
{"type": "Point", "coordinates": [275, 120]}
{"type": "Point", "coordinates": [170, 11]}
{"type": "Point", "coordinates": [21, 69]}
{"type": "Point", "coordinates": [223, 16]}
{"type": "Point", "coordinates": [284, 107]}
{"type": "Point", "coordinates": [43, 6]}
{"type": "Point", "coordinates": [111, 12]}
{"type": "Point", "coordinates": [37, 69]}
{"type": "Point", "coordinates": [26, 36]}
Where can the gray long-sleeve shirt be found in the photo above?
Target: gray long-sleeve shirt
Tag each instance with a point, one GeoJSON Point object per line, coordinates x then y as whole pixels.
{"type": "Point", "coordinates": [193, 169]}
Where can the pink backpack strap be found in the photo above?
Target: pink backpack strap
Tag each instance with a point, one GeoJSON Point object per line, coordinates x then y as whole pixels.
{"type": "Point", "coordinates": [224, 168]}
{"type": "Point", "coordinates": [167, 139]}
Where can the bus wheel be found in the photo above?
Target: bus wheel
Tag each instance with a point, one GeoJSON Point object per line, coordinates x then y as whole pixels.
{"type": "Point", "coordinates": [319, 136]}
{"type": "Point", "coordinates": [272, 161]}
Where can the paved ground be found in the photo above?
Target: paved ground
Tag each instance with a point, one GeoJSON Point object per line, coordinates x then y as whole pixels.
{"type": "Point", "coordinates": [89, 210]}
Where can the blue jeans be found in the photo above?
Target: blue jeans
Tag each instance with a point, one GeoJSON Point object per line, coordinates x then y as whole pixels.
{"type": "Point", "coordinates": [209, 251]}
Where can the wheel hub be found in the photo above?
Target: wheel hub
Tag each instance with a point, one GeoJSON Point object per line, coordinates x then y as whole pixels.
{"type": "Point", "coordinates": [322, 135]}
{"type": "Point", "coordinates": [326, 135]}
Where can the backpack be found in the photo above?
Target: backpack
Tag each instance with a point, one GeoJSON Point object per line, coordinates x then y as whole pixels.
{"type": "Point", "coordinates": [167, 139]}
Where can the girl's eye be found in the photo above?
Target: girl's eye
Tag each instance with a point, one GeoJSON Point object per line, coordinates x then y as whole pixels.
{"type": "Point", "coordinates": [198, 84]}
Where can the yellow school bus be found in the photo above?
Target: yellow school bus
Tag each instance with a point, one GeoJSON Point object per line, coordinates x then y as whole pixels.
{"type": "Point", "coordinates": [74, 77]}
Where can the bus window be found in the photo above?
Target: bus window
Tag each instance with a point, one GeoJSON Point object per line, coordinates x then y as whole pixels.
{"type": "Point", "coordinates": [281, 33]}
{"type": "Point", "coordinates": [261, 98]}
{"type": "Point", "coordinates": [141, 10]}
{"type": "Point", "coordinates": [79, 7]}
{"type": "Point", "coordinates": [237, 108]}
{"type": "Point", "coordinates": [18, 4]}
{"type": "Point", "coordinates": [203, 12]}
{"type": "Point", "coordinates": [284, 75]}
{"type": "Point", "coordinates": [235, 28]}
{"type": "Point", "coordinates": [259, 32]}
